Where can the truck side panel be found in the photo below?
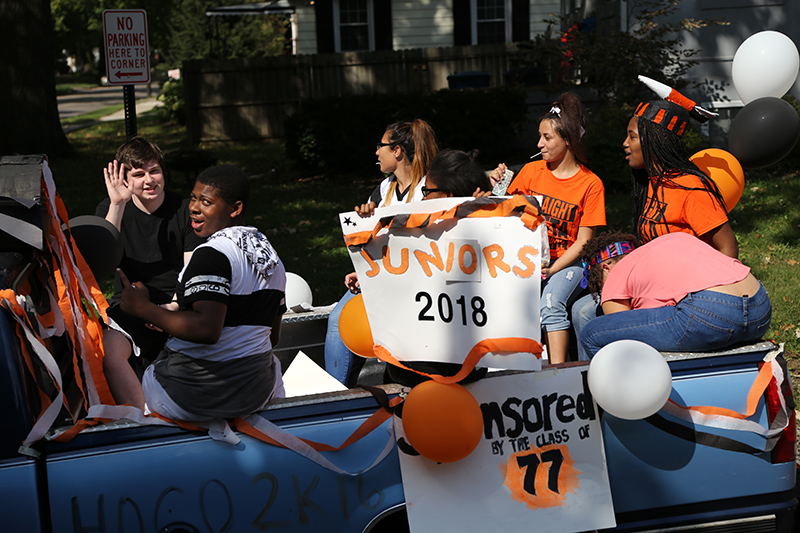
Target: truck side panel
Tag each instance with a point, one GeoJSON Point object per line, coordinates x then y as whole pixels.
{"type": "Point", "coordinates": [650, 468]}
{"type": "Point", "coordinates": [205, 485]}
{"type": "Point", "coordinates": [19, 496]}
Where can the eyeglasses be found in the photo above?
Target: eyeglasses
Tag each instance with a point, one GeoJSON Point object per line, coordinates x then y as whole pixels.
{"type": "Point", "coordinates": [427, 190]}
{"type": "Point", "coordinates": [383, 144]}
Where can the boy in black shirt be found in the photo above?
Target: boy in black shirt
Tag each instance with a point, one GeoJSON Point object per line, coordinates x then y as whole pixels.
{"type": "Point", "coordinates": [157, 240]}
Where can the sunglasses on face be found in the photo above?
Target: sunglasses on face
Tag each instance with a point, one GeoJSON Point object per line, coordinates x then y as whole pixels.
{"type": "Point", "coordinates": [427, 190]}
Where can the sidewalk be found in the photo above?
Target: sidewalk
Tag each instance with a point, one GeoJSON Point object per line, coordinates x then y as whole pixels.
{"type": "Point", "coordinates": [85, 101]}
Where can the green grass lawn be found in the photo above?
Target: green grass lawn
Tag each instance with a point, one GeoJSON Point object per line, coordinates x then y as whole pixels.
{"type": "Point", "coordinates": [299, 213]}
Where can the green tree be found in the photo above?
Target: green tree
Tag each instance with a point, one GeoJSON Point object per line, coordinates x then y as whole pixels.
{"type": "Point", "coordinates": [193, 35]}
{"type": "Point", "coordinates": [78, 26]}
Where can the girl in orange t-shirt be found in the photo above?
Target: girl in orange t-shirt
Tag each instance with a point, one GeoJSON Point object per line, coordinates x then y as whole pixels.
{"type": "Point", "coordinates": [670, 193]}
{"type": "Point", "coordinates": [573, 203]}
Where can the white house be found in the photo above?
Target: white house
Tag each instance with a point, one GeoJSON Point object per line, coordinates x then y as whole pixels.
{"type": "Point", "coordinates": [366, 25]}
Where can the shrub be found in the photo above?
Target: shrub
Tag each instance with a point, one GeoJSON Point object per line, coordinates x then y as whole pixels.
{"type": "Point", "coordinates": [609, 60]}
{"type": "Point", "coordinates": [339, 134]}
{"type": "Point", "coordinates": [173, 101]}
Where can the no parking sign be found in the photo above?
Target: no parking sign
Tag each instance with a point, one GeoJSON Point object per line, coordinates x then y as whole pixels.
{"type": "Point", "coordinates": [126, 46]}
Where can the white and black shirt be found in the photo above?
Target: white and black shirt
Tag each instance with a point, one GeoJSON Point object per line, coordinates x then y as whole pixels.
{"type": "Point", "coordinates": [236, 266]}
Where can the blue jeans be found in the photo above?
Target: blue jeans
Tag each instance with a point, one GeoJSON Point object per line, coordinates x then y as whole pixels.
{"type": "Point", "coordinates": [338, 358]}
{"type": "Point", "coordinates": [702, 321]}
{"type": "Point", "coordinates": [558, 292]}
{"type": "Point", "coordinates": [584, 310]}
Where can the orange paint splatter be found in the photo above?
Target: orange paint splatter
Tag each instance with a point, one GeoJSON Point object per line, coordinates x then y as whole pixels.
{"type": "Point", "coordinates": [541, 477]}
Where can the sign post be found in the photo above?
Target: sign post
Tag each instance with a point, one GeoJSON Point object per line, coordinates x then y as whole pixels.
{"type": "Point", "coordinates": [127, 56]}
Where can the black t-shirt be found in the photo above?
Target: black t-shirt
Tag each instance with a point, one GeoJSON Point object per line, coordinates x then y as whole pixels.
{"type": "Point", "coordinates": [154, 245]}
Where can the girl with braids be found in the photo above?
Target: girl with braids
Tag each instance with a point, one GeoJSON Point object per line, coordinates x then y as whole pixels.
{"type": "Point", "coordinates": [573, 203]}
{"type": "Point", "coordinates": [669, 192]}
{"type": "Point", "coordinates": [405, 153]}
{"type": "Point", "coordinates": [675, 293]}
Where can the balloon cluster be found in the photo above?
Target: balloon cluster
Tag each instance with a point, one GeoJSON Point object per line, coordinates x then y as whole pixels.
{"type": "Point", "coordinates": [765, 67]}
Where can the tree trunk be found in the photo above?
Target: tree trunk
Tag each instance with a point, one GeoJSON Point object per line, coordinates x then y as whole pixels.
{"type": "Point", "coordinates": [29, 122]}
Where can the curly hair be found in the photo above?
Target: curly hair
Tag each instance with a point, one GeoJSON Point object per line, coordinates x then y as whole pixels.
{"type": "Point", "coordinates": [231, 182]}
{"type": "Point", "coordinates": [594, 248]}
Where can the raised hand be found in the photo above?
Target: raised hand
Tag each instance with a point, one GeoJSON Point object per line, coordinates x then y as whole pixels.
{"type": "Point", "coordinates": [119, 188]}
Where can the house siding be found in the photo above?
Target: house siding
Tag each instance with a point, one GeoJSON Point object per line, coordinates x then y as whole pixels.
{"type": "Point", "coordinates": [306, 29]}
{"type": "Point", "coordinates": [418, 24]}
{"type": "Point", "coordinates": [541, 11]}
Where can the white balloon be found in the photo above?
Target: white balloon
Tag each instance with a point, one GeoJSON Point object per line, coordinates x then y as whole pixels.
{"type": "Point", "coordinates": [297, 291]}
{"type": "Point", "coordinates": [630, 379]}
{"type": "Point", "coordinates": [766, 64]}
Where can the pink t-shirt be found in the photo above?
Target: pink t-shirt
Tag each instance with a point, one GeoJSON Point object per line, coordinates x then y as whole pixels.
{"type": "Point", "coordinates": [666, 269]}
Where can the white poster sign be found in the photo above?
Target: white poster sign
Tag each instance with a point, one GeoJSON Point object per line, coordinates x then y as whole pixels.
{"type": "Point", "coordinates": [540, 464]}
{"type": "Point", "coordinates": [436, 281]}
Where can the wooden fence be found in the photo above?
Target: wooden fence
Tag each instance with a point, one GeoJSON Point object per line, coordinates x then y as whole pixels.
{"type": "Point", "coordinates": [246, 99]}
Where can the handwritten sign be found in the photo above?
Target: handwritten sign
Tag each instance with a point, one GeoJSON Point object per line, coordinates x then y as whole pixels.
{"type": "Point", "coordinates": [433, 290]}
{"type": "Point", "coordinates": [540, 461]}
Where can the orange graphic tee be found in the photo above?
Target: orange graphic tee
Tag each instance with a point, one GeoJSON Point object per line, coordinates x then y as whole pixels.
{"type": "Point", "coordinates": [567, 204]}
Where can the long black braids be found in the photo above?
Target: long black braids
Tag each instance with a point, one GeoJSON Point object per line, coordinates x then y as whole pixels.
{"type": "Point", "coordinates": [665, 160]}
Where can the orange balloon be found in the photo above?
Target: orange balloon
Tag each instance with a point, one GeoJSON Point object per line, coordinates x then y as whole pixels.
{"type": "Point", "coordinates": [354, 327]}
{"type": "Point", "coordinates": [442, 422]}
{"type": "Point", "coordinates": [724, 170]}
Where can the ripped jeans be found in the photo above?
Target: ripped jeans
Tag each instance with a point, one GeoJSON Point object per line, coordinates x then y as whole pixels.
{"type": "Point", "coordinates": [558, 293]}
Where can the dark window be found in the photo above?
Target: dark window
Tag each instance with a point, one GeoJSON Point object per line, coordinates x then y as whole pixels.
{"type": "Point", "coordinates": [353, 25]}
{"type": "Point", "coordinates": [490, 21]}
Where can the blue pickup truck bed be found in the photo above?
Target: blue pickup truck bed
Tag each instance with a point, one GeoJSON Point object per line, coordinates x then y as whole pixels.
{"type": "Point", "coordinates": [124, 476]}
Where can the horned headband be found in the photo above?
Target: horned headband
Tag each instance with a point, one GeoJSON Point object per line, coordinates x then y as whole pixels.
{"type": "Point", "coordinates": [673, 111]}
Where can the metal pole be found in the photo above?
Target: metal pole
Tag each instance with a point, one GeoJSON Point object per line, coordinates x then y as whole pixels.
{"type": "Point", "coordinates": [129, 99]}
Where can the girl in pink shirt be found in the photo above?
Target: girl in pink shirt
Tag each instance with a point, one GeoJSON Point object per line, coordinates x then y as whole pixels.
{"type": "Point", "coordinates": [675, 293]}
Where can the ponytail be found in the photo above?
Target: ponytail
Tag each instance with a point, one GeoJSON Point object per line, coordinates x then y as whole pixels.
{"type": "Point", "coordinates": [566, 115]}
{"type": "Point", "coordinates": [418, 143]}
